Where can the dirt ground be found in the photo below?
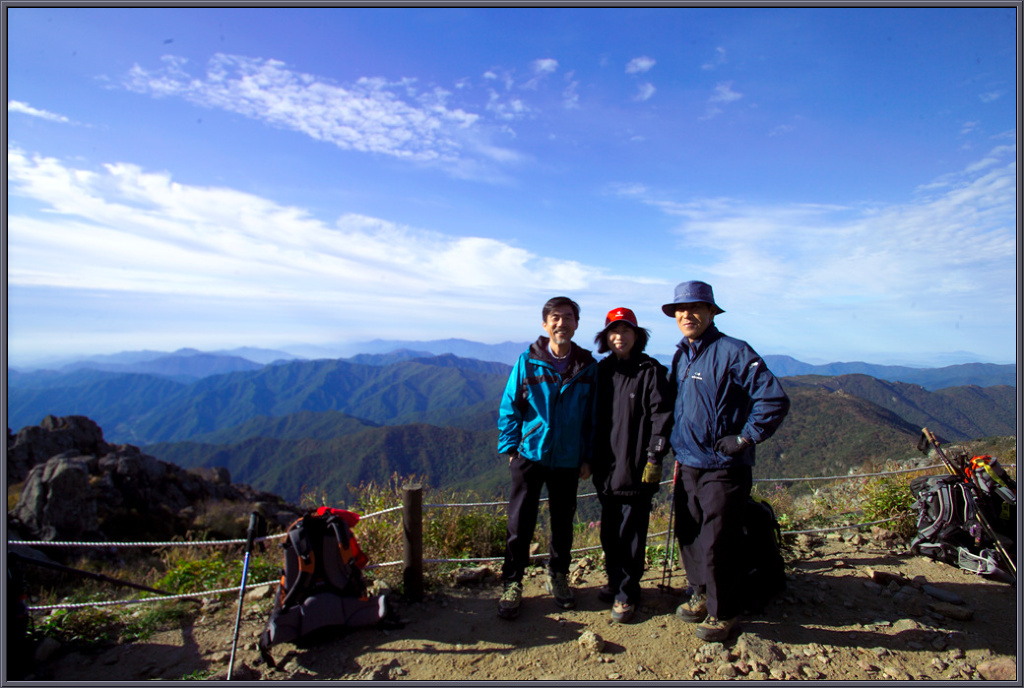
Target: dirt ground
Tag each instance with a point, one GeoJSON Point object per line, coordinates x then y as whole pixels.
{"type": "Point", "coordinates": [855, 608]}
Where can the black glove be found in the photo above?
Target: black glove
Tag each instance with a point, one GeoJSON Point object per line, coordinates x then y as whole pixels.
{"type": "Point", "coordinates": [731, 444]}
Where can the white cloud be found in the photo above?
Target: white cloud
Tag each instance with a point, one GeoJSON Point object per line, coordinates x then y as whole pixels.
{"type": "Point", "coordinates": [644, 92]}
{"type": "Point", "coordinates": [541, 68]}
{"type": "Point", "coordinates": [544, 66]}
{"type": "Point", "coordinates": [372, 115]}
{"type": "Point", "coordinates": [718, 60]}
{"type": "Point", "coordinates": [950, 251]}
{"type": "Point", "coordinates": [26, 109]}
{"type": "Point", "coordinates": [123, 229]}
{"type": "Point", "coordinates": [571, 96]}
{"type": "Point", "coordinates": [723, 94]}
{"type": "Point", "coordinates": [639, 65]}
{"type": "Point", "coordinates": [991, 96]}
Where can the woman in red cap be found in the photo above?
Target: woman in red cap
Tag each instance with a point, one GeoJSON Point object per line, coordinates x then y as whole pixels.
{"type": "Point", "coordinates": [632, 428]}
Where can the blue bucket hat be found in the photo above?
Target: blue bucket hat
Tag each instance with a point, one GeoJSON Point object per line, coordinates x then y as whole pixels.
{"type": "Point", "coordinates": [692, 292]}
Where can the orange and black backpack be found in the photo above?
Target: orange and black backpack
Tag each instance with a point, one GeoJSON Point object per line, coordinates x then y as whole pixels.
{"type": "Point", "coordinates": [322, 582]}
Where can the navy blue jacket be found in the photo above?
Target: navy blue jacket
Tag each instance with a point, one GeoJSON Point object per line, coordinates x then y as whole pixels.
{"type": "Point", "coordinates": [725, 390]}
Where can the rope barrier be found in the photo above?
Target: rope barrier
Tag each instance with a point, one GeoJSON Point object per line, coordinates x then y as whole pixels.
{"type": "Point", "coordinates": [181, 543]}
{"type": "Point", "coordinates": [242, 541]}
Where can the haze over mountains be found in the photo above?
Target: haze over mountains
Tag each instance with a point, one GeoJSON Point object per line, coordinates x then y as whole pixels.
{"type": "Point", "coordinates": [187, 364]}
{"type": "Point", "coordinates": [292, 426]}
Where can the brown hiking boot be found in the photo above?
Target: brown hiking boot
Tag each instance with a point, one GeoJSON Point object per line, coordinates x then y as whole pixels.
{"type": "Point", "coordinates": [694, 609]}
{"type": "Point", "coordinates": [715, 630]}
{"type": "Point", "coordinates": [508, 605]}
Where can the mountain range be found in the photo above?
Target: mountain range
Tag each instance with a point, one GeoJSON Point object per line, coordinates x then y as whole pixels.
{"type": "Point", "coordinates": [190, 364]}
{"type": "Point", "coordinates": [292, 426]}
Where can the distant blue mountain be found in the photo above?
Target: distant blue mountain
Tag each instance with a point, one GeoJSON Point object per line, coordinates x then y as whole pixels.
{"type": "Point", "coordinates": [187, 365]}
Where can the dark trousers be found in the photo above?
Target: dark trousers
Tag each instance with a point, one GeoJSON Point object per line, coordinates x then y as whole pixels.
{"type": "Point", "coordinates": [624, 522]}
{"type": "Point", "coordinates": [709, 508]}
{"type": "Point", "coordinates": [528, 477]}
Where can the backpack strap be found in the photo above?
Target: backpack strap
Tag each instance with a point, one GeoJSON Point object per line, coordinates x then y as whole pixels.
{"type": "Point", "coordinates": [298, 539]}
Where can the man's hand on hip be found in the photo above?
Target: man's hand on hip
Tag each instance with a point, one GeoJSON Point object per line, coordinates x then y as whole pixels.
{"type": "Point", "coordinates": [731, 444]}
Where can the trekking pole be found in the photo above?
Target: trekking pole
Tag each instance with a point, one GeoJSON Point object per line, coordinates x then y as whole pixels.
{"type": "Point", "coordinates": [250, 539]}
{"type": "Point", "coordinates": [669, 548]}
{"type": "Point", "coordinates": [927, 436]}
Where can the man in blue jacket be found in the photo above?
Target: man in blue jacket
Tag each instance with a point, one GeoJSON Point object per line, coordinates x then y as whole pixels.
{"type": "Point", "coordinates": [544, 426]}
{"type": "Point", "coordinates": [727, 401]}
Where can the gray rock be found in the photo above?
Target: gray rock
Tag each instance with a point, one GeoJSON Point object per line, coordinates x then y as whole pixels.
{"type": "Point", "coordinates": [942, 595]}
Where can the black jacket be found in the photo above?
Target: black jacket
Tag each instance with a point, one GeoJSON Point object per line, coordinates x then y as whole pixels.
{"type": "Point", "coordinates": [633, 417]}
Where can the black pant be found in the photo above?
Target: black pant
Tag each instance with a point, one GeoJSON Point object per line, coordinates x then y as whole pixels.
{"type": "Point", "coordinates": [710, 505]}
{"type": "Point", "coordinates": [624, 523]}
{"type": "Point", "coordinates": [528, 477]}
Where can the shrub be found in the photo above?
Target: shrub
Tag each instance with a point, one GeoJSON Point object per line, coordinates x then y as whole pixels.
{"type": "Point", "coordinates": [890, 498]}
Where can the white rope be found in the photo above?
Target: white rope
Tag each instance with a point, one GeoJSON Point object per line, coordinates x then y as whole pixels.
{"type": "Point", "coordinates": [378, 513]}
{"type": "Point", "coordinates": [850, 476]}
{"type": "Point", "coordinates": [175, 543]}
{"type": "Point", "coordinates": [146, 600]}
{"type": "Point", "coordinates": [242, 541]}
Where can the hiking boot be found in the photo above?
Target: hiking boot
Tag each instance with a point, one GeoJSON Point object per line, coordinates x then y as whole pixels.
{"type": "Point", "coordinates": [715, 630]}
{"type": "Point", "coordinates": [508, 605]}
{"type": "Point", "coordinates": [606, 594]}
{"type": "Point", "coordinates": [622, 612]}
{"type": "Point", "coordinates": [695, 609]}
{"type": "Point", "coordinates": [558, 585]}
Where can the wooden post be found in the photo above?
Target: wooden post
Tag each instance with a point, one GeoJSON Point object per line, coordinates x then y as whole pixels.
{"type": "Point", "coordinates": [412, 529]}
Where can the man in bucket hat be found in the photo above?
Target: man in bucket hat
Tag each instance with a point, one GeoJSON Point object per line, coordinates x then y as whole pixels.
{"type": "Point", "coordinates": [727, 401]}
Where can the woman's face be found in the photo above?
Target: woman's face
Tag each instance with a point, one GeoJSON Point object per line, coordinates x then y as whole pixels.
{"type": "Point", "coordinates": [621, 338]}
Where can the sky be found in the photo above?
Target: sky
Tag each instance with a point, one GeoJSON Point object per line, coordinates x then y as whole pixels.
{"type": "Point", "coordinates": [212, 178]}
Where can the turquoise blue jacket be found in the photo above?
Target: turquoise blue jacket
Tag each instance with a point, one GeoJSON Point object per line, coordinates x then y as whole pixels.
{"type": "Point", "coordinates": [547, 417]}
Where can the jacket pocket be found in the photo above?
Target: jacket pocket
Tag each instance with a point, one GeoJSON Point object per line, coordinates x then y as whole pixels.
{"type": "Point", "coordinates": [530, 444]}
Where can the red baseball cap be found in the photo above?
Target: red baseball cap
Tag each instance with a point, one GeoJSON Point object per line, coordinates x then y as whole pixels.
{"type": "Point", "coordinates": [616, 314]}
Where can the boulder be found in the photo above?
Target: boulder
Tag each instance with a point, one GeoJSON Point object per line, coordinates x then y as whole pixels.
{"type": "Point", "coordinates": [57, 502]}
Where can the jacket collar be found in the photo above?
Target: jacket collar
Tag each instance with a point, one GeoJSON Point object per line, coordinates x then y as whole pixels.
{"type": "Point", "coordinates": [579, 358]}
{"type": "Point", "coordinates": [710, 335]}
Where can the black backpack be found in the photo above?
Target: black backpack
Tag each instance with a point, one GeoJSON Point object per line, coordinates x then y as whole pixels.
{"type": "Point", "coordinates": [322, 584]}
{"type": "Point", "coordinates": [764, 574]}
{"type": "Point", "coordinates": [952, 517]}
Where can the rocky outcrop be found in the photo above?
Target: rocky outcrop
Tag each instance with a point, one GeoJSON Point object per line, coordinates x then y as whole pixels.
{"type": "Point", "coordinates": [78, 487]}
{"type": "Point", "coordinates": [36, 443]}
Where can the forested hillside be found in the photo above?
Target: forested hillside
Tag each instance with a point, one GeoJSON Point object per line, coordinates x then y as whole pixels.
{"type": "Point", "coordinates": [292, 426]}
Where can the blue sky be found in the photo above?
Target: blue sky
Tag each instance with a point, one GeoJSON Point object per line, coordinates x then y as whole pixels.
{"type": "Point", "coordinates": [225, 177]}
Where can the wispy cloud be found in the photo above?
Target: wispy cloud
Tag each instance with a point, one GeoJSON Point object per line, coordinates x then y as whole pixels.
{"type": "Point", "coordinates": [541, 69]}
{"type": "Point", "coordinates": [722, 95]}
{"type": "Point", "coordinates": [991, 96]}
{"type": "Point", "coordinates": [639, 65]}
{"type": "Point", "coordinates": [26, 109]}
{"type": "Point", "coordinates": [942, 254]}
{"type": "Point", "coordinates": [644, 92]}
{"type": "Point", "coordinates": [121, 228]}
{"type": "Point", "coordinates": [372, 115]}
{"type": "Point", "coordinates": [718, 60]}
{"type": "Point", "coordinates": [570, 94]}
